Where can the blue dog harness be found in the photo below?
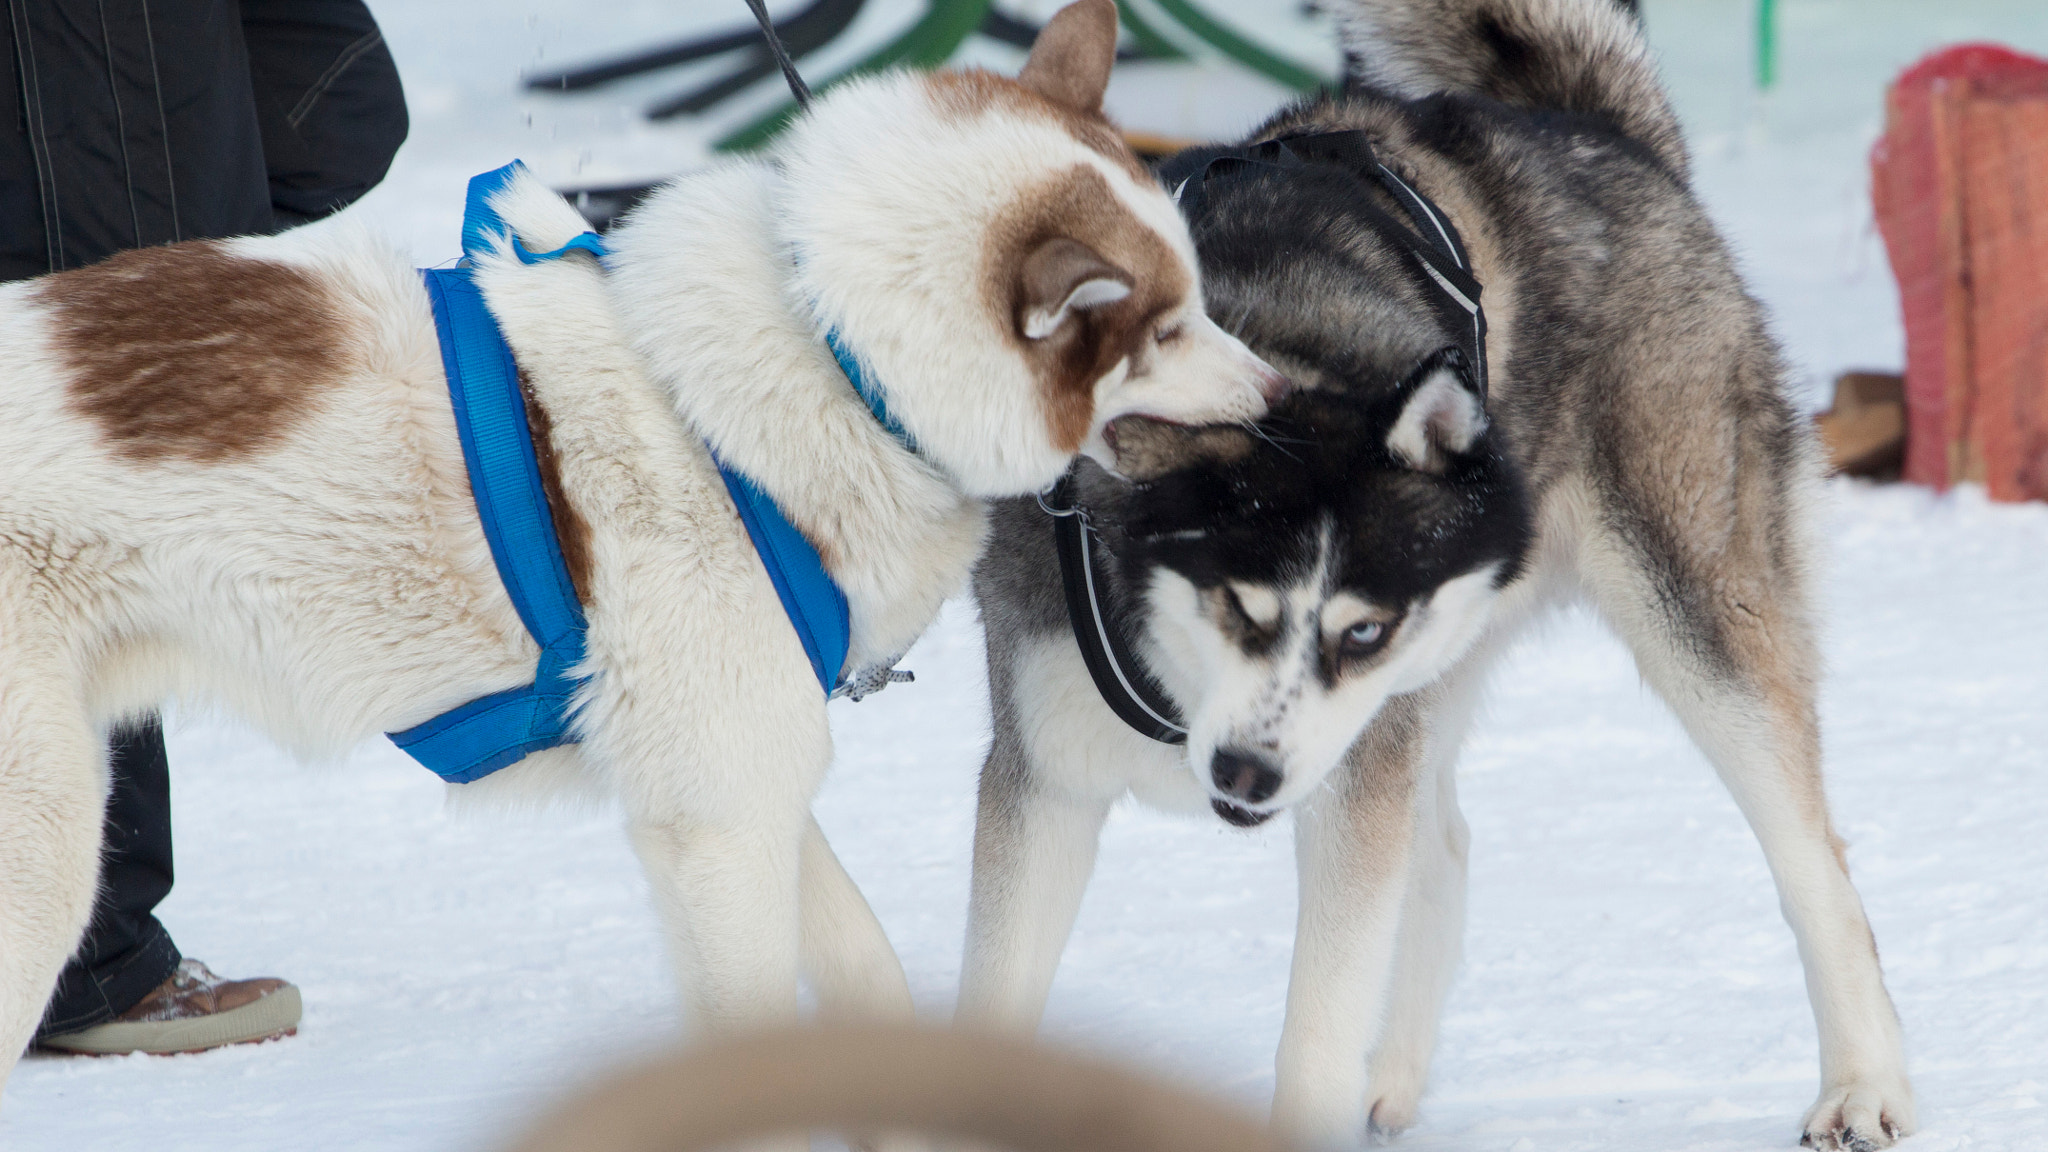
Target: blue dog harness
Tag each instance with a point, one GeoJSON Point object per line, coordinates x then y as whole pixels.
{"type": "Point", "coordinates": [487, 734]}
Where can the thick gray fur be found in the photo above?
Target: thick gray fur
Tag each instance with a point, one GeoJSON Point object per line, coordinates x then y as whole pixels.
{"type": "Point", "coordinates": [1638, 391]}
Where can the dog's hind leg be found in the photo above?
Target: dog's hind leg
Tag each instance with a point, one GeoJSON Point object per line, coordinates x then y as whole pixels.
{"type": "Point", "coordinates": [52, 794]}
{"type": "Point", "coordinates": [847, 956]}
{"type": "Point", "coordinates": [1710, 596]}
{"type": "Point", "coordinates": [1353, 844]}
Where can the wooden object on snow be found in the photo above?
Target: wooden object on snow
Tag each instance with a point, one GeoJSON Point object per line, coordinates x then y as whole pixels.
{"type": "Point", "coordinates": [1960, 184]}
{"type": "Point", "coordinates": [1865, 432]}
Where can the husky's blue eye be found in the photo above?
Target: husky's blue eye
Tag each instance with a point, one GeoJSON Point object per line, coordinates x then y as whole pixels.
{"type": "Point", "coordinates": [1364, 638]}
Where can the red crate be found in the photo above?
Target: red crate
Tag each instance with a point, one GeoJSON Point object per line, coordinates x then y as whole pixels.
{"type": "Point", "coordinates": [1960, 184]}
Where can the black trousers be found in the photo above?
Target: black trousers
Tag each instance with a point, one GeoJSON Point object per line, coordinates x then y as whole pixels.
{"type": "Point", "coordinates": [127, 123]}
{"type": "Point", "coordinates": [126, 953]}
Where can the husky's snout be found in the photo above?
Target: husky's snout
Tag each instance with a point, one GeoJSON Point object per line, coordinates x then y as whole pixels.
{"type": "Point", "coordinates": [1270, 382]}
{"type": "Point", "coordinates": [1244, 778]}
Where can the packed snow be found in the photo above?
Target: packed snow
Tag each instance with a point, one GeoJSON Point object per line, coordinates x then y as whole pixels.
{"type": "Point", "coordinates": [1628, 981]}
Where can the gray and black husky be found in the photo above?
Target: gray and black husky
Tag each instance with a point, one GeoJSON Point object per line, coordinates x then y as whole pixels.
{"type": "Point", "coordinates": [1302, 613]}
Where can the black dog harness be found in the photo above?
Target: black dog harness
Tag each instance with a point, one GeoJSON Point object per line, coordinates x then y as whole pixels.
{"type": "Point", "coordinates": [1119, 678]}
{"type": "Point", "coordinates": [1428, 238]}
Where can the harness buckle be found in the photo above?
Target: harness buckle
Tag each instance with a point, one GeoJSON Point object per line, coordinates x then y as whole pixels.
{"type": "Point", "coordinates": [870, 680]}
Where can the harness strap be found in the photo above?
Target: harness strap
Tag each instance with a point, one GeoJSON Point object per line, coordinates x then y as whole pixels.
{"type": "Point", "coordinates": [810, 597]}
{"type": "Point", "coordinates": [487, 734]}
{"type": "Point", "coordinates": [1119, 679]}
{"type": "Point", "coordinates": [1428, 235]}
{"type": "Point", "coordinates": [1443, 255]}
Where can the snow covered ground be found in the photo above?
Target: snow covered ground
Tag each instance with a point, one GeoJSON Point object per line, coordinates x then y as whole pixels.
{"type": "Point", "coordinates": [1628, 981]}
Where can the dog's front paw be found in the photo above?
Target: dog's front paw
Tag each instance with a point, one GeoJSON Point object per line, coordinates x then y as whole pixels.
{"type": "Point", "coordinates": [1388, 1120]}
{"type": "Point", "coordinates": [1397, 1075]}
{"type": "Point", "coordinates": [1390, 1113]}
{"type": "Point", "coordinates": [1859, 1117]}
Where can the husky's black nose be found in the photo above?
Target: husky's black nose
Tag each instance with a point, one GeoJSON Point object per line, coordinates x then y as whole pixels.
{"type": "Point", "coordinates": [1243, 776]}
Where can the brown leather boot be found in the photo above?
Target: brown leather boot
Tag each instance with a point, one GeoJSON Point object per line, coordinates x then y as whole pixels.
{"type": "Point", "coordinates": [192, 1011]}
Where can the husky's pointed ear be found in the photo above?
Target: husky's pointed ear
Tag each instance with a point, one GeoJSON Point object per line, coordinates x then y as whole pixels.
{"type": "Point", "coordinates": [1060, 277]}
{"type": "Point", "coordinates": [1071, 59]}
{"type": "Point", "coordinates": [1441, 418]}
{"type": "Point", "coordinates": [1146, 449]}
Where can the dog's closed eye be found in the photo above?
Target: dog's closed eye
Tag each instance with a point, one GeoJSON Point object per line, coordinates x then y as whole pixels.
{"type": "Point", "coordinates": [1255, 605]}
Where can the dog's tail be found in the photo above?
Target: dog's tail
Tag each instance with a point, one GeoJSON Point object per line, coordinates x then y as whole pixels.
{"type": "Point", "coordinates": [1584, 56]}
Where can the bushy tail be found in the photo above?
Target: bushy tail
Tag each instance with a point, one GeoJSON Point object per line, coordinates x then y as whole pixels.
{"type": "Point", "coordinates": [1585, 56]}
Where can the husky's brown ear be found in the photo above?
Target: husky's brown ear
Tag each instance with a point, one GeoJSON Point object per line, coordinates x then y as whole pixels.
{"type": "Point", "coordinates": [1061, 277]}
{"type": "Point", "coordinates": [1442, 417]}
{"type": "Point", "coordinates": [1071, 59]}
{"type": "Point", "coordinates": [1147, 449]}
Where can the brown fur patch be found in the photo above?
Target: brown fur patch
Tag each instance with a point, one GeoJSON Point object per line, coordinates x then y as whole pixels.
{"type": "Point", "coordinates": [571, 529]}
{"type": "Point", "coordinates": [1072, 57]}
{"type": "Point", "coordinates": [1080, 205]}
{"type": "Point", "coordinates": [970, 92]}
{"type": "Point", "coordinates": [187, 352]}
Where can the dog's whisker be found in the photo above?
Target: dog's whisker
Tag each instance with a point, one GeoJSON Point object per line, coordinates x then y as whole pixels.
{"type": "Point", "coordinates": [1252, 426]}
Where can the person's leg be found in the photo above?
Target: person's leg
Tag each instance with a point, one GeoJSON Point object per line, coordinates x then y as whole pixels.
{"type": "Point", "coordinates": [126, 953]}
{"type": "Point", "coordinates": [127, 989]}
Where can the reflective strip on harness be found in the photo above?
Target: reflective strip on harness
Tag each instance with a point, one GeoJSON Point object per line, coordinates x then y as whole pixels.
{"type": "Point", "coordinates": [1428, 236]}
{"type": "Point", "coordinates": [487, 734]}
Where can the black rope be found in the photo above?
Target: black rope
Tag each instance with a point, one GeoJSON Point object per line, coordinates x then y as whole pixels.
{"type": "Point", "coordinates": [797, 87]}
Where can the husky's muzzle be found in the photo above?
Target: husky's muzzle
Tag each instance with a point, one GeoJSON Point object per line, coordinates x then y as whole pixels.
{"type": "Point", "coordinates": [1242, 777]}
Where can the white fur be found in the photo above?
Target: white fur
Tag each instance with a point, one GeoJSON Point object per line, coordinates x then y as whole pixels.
{"type": "Point", "coordinates": [1042, 322]}
{"type": "Point", "coordinates": [1083, 759]}
{"type": "Point", "coordinates": [1275, 704]}
{"type": "Point", "coordinates": [883, 207]}
{"type": "Point", "coordinates": [1379, 937]}
{"type": "Point", "coordinates": [336, 584]}
{"type": "Point", "coordinates": [1443, 416]}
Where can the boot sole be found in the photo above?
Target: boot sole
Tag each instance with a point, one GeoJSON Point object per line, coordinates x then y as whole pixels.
{"type": "Point", "coordinates": [272, 1016]}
